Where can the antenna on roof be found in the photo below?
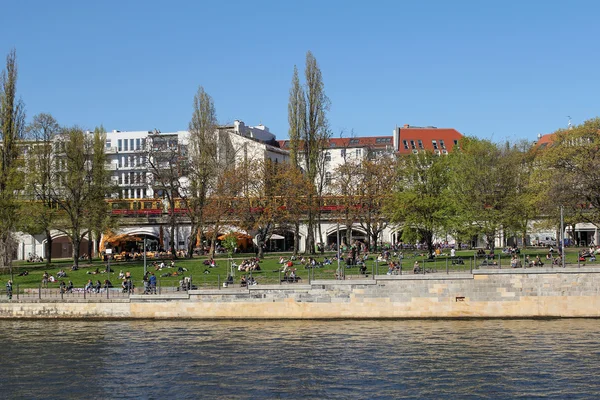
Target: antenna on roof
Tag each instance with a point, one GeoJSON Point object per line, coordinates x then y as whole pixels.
{"type": "Point", "coordinates": [569, 125]}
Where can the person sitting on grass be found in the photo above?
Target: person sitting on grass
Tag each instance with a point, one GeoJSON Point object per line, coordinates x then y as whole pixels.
{"type": "Point", "coordinates": [88, 286]}
{"type": "Point", "coordinates": [69, 287]}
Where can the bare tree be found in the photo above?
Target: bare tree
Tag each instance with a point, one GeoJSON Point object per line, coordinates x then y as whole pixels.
{"type": "Point", "coordinates": [310, 135]}
{"type": "Point", "coordinates": [203, 164]}
{"type": "Point", "coordinates": [167, 161]}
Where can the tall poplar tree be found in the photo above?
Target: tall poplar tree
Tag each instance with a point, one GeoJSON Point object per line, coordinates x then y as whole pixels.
{"type": "Point", "coordinates": [309, 135]}
{"type": "Point", "coordinates": [203, 164]}
{"type": "Point", "coordinates": [12, 129]}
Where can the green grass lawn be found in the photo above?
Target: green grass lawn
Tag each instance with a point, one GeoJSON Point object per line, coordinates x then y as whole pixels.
{"type": "Point", "coordinates": [269, 273]}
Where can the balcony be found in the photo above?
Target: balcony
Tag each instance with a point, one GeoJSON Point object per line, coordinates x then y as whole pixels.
{"type": "Point", "coordinates": [111, 150]}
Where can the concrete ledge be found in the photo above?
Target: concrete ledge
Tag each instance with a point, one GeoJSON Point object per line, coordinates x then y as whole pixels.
{"type": "Point", "coordinates": [421, 277]}
{"type": "Point", "coordinates": [223, 291]}
{"type": "Point", "coordinates": [543, 270]}
{"type": "Point", "coordinates": [152, 297]}
{"type": "Point", "coordinates": [284, 286]}
{"type": "Point", "coordinates": [344, 282]}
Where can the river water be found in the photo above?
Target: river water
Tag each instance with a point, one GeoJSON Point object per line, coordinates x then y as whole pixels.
{"type": "Point", "coordinates": [300, 359]}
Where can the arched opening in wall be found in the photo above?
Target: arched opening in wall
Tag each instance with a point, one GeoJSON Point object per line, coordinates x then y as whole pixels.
{"type": "Point", "coordinates": [129, 243]}
{"type": "Point", "coordinates": [63, 248]}
{"type": "Point", "coordinates": [355, 236]}
{"type": "Point", "coordinates": [281, 240]}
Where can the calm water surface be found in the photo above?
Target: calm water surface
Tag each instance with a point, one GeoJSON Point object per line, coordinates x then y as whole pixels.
{"type": "Point", "coordinates": [300, 359]}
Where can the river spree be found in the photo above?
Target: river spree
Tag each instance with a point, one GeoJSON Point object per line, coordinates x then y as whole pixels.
{"type": "Point", "coordinates": [300, 359]}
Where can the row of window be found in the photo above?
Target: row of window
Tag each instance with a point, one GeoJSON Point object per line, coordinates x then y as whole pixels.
{"type": "Point", "coordinates": [131, 178]}
{"type": "Point", "coordinates": [128, 144]}
{"type": "Point", "coordinates": [134, 193]}
{"type": "Point", "coordinates": [132, 161]}
{"type": "Point", "coordinates": [357, 154]}
{"type": "Point", "coordinates": [437, 145]}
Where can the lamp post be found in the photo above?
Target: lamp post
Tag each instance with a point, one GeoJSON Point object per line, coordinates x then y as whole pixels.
{"type": "Point", "coordinates": [338, 251]}
{"type": "Point", "coordinates": [562, 239]}
{"type": "Point", "coordinates": [145, 269]}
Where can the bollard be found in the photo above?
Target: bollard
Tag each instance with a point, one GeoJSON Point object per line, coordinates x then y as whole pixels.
{"type": "Point", "coordinates": [280, 276]}
{"type": "Point", "coordinates": [373, 271]}
{"type": "Point", "coordinates": [447, 271]}
{"type": "Point", "coordinates": [61, 295]}
{"type": "Point", "coordinates": [499, 261]}
{"type": "Point", "coordinates": [376, 267]}
{"type": "Point", "coordinates": [107, 291]}
{"type": "Point", "coordinates": [471, 264]}
{"type": "Point", "coordinates": [17, 291]}
{"type": "Point", "coordinates": [40, 292]}
{"type": "Point", "coordinates": [219, 281]}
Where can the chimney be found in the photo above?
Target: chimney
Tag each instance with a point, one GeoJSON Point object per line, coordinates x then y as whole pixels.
{"type": "Point", "coordinates": [406, 126]}
{"type": "Point", "coordinates": [396, 139]}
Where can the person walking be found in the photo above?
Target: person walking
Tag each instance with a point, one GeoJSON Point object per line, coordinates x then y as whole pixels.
{"type": "Point", "coordinates": [152, 283]}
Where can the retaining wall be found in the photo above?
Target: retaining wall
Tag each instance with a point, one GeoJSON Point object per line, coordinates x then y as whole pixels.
{"type": "Point", "coordinates": [486, 293]}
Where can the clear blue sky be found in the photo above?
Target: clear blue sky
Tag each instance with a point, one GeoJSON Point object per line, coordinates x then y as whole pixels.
{"type": "Point", "coordinates": [493, 69]}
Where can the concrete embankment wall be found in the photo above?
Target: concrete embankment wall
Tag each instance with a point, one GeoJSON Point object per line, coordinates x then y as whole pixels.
{"type": "Point", "coordinates": [486, 293]}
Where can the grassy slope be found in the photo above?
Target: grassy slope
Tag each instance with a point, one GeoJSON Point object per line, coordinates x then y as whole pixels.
{"type": "Point", "coordinates": [268, 274]}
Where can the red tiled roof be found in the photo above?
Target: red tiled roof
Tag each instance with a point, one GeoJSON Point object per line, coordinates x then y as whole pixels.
{"type": "Point", "coordinates": [363, 141]}
{"type": "Point", "coordinates": [545, 141]}
{"type": "Point", "coordinates": [444, 139]}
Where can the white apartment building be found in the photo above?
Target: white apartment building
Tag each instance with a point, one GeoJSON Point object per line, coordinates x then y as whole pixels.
{"type": "Point", "coordinates": [128, 164]}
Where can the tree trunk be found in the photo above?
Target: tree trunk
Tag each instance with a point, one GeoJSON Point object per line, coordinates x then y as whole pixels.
{"type": "Point", "coordinates": [192, 241]}
{"type": "Point", "coordinates": [90, 248]}
{"type": "Point", "coordinates": [374, 238]}
{"type": "Point", "coordinates": [428, 236]}
{"type": "Point", "coordinates": [172, 237]}
{"type": "Point", "coordinates": [320, 233]}
{"type": "Point", "coordinates": [260, 241]}
{"type": "Point", "coordinates": [349, 234]}
{"type": "Point", "coordinates": [213, 243]}
{"type": "Point", "coordinates": [98, 241]}
{"type": "Point", "coordinates": [76, 241]}
{"type": "Point", "coordinates": [48, 248]}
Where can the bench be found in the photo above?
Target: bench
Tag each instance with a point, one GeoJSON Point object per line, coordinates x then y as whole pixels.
{"type": "Point", "coordinates": [289, 279]}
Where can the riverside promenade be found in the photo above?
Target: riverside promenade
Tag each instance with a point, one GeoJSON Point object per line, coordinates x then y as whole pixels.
{"type": "Point", "coordinates": [487, 293]}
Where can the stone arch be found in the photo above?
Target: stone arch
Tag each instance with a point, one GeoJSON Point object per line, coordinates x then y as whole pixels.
{"type": "Point", "coordinates": [63, 248]}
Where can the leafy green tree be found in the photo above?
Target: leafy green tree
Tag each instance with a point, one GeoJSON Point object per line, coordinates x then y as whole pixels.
{"type": "Point", "coordinates": [569, 173]}
{"type": "Point", "coordinates": [41, 180]}
{"type": "Point", "coordinates": [81, 186]}
{"type": "Point", "coordinates": [421, 200]}
{"type": "Point", "coordinates": [99, 216]}
{"type": "Point", "coordinates": [483, 187]}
